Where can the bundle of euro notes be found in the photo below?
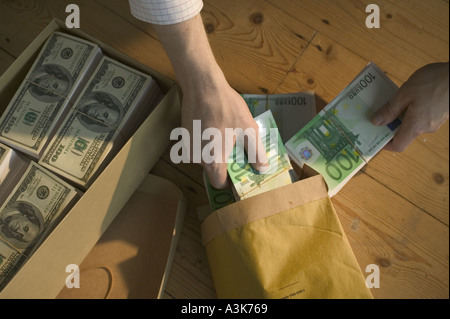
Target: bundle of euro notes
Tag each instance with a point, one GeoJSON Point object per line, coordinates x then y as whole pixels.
{"type": "Point", "coordinates": [341, 139]}
{"type": "Point", "coordinates": [291, 111]}
{"type": "Point", "coordinates": [336, 143]}
{"type": "Point", "coordinates": [249, 182]}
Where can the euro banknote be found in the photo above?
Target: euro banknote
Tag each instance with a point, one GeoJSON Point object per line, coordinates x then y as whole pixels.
{"type": "Point", "coordinates": [291, 111]}
{"type": "Point", "coordinates": [246, 180]}
{"type": "Point", "coordinates": [218, 198]}
{"type": "Point", "coordinates": [341, 139]}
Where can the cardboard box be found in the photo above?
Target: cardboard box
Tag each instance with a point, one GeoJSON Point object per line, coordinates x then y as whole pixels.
{"type": "Point", "coordinates": [134, 256]}
{"type": "Point", "coordinates": [44, 274]}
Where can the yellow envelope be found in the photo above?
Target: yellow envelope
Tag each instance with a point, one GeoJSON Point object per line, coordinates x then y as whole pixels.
{"type": "Point", "coordinates": [285, 243]}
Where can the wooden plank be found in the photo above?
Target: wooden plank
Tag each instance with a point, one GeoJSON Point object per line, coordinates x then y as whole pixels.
{"type": "Point", "coordinates": [412, 33]}
{"type": "Point", "coordinates": [5, 61]}
{"type": "Point", "coordinates": [103, 24]}
{"type": "Point", "coordinates": [327, 68]}
{"type": "Point", "coordinates": [409, 246]}
{"type": "Point", "coordinates": [417, 174]}
{"type": "Point", "coordinates": [254, 42]}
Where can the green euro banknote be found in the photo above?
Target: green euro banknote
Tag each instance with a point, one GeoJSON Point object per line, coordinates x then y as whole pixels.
{"type": "Point", "coordinates": [341, 139]}
{"type": "Point", "coordinates": [246, 180]}
{"type": "Point", "coordinates": [352, 111]}
{"type": "Point", "coordinates": [291, 111]}
{"type": "Point", "coordinates": [322, 146]}
{"type": "Point", "coordinates": [218, 198]}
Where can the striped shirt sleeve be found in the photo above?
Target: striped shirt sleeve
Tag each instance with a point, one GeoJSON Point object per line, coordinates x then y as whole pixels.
{"type": "Point", "coordinates": [165, 11]}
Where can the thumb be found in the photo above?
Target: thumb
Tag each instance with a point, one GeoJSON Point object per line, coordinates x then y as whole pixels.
{"type": "Point", "coordinates": [390, 111]}
{"type": "Point", "coordinates": [255, 147]}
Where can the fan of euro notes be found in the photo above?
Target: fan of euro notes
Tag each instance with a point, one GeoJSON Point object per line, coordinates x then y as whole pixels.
{"type": "Point", "coordinates": [72, 113]}
{"type": "Point", "coordinates": [336, 143]}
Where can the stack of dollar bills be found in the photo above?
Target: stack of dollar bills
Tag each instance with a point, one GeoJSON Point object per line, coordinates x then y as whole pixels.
{"type": "Point", "coordinates": [49, 89]}
{"type": "Point", "coordinates": [113, 104]}
{"type": "Point", "coordinates": [249, 182]}
{"type": "Point", "coordinates": [33, 207]}
{"type": "Point", "coordinates": [341, 139]}
{"type": "Point", "coordinates": [12, 167]}
{"type": "Point", "coordinates": [70, 116]}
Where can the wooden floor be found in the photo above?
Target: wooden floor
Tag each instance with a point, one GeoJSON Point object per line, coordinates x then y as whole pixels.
{"type": "Point", "coordinates": [396, 210]}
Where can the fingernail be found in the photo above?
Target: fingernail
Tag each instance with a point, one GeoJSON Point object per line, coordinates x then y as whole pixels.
{"type": "Point", "coordinates": [264, 168]}
{"type": "Point", "coordinates": [377, 119]}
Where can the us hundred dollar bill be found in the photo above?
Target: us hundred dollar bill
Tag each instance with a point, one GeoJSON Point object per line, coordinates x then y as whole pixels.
{"type": "Point", "coordinates": [341, 139]}
{"type": "Point", "coordinates": [249, 182]}
{"type": "Point", "coordinates": [31, 119]}
{"type": "Point", "coordinates": [10, 262]}
{"type": "Point", "coordinates": [116, 95]}
{"type": "Point", "coordinates": [64, 64]}
{"type": "Point", "coordinates": [100, 122]}
{"type": "Point", "coordinates": [34, 206]}
{"type": "Point", "coordinates": [12, 167]}
{"type": "Point", "coordinates": [81, 148]}
{"type": "Point", "coordinates": [291, 111]}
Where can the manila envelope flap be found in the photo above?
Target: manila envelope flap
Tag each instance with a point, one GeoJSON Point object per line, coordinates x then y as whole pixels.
{"type": "Point", "coordinates": [132, 258]}
{"type": "Point", "coordinates": [286, 243]}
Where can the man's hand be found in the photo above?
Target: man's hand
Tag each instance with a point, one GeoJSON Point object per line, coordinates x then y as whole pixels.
{"type": "Point", "coordinates": [424, 99]}
{"type": "Point", "coordinates": [207, 96]}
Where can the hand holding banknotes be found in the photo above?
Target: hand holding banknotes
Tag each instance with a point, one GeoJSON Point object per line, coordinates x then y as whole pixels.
{"type": "Point", "coordinates": [207, 95]}
{"type": "Point", "coordinates": [424, 98]}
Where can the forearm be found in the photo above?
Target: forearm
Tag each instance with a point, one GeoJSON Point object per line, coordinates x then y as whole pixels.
{"type": "Point", "coordinates": [188, 48]}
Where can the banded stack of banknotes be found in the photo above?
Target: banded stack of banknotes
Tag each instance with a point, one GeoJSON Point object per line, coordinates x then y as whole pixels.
{"type": "Point", "coordinates": [72, 113]}
{"type": "Point", "coordinates": [336, 143]}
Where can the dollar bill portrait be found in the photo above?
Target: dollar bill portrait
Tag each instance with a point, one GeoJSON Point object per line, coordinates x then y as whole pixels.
{"type": "Point", "coordinates": [21, 224]}
{"type": "Point", "coordinates": [52, 81]}
{"type": "Point", "coordinates": [100, 112]}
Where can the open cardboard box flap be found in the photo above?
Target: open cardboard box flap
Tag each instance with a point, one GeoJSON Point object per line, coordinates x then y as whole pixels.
{"type": "Point", "coordinates": [44, 274]}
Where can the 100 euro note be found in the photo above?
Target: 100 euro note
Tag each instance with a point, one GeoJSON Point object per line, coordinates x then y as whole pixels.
{"type": "Point", "coordinates": [352, 111]}
{"type": "Point", "coordinates": [341, 139]}
{"type": "Point", "coordinates": [291, 111]}
{"type": "Point", "coordinates": [218, 198]}
{"type": "Point", "coordinates": [249, 182]}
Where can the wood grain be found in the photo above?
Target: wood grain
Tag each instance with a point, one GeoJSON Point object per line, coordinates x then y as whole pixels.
{"type": "Point", "coordinates": [32, 16]}
{"type": "Point", "coordinates": [420, 174]}
{"type": "Point", "coordinates": [390, 232]}
{"type": "Point", "coordinates": [5, 61]}
{"type": "Point", "coordinates": [395, 211]}
{"type": "Point", "coordinates": [411, 33]}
